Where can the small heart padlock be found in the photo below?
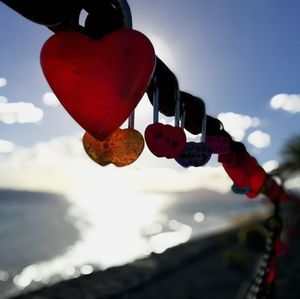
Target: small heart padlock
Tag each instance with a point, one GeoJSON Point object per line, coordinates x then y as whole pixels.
{"type": "Point", "coordinates": [220, 141]}
{"type": "Point", "coordinates": [195, 154]}
{"type": "Point", "coordinates": [121, 148]}
{"type": "Point", "coordinates": [165, 140]}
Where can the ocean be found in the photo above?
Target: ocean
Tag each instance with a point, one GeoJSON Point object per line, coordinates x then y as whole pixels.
{"type": "Point", "coordinates": [33, 228]}
{"type": "Point", "coordinates": [47, 237]}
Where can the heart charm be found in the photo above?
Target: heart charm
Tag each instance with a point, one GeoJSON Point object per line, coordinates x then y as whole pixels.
{"type": "Point", "coordinates": [194, 154]}
{"type": "Point", "coordinates": [99, 82]}
{"type": "Point", "coordinates": [241, 171]}
{"type": "Point", "coordinates": [121, 148]}
{"type": "Point", "coordinates": [165, 140]}
{"type": "Point", "coordinates": [218, 144]}
{"type": "Point", "coordinates": [99, 151]}
{"type": "Point", "coordinates": [127, 145]}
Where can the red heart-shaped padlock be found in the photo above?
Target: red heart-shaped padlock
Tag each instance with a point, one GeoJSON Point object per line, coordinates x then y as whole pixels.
{"type": "Point", "coordinates": [99, 151]}
{"type": "Point", "coordinates": [99, 82]}
{"type": "Point", "coordinates": [165, 140]}
{"type": "Point", "coordinates": [129, 144]}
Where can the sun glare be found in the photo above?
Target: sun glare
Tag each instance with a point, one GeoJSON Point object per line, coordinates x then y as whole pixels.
{"type": "Point", "coordinates": [110, 224]}
{"type": "Point", "coordinates": [163, 51]}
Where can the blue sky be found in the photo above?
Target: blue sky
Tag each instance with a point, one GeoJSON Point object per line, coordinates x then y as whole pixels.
{"type": "Point", "coordinates": [236, 55]}
{"type": "Point", "coordinates": [240, 56]}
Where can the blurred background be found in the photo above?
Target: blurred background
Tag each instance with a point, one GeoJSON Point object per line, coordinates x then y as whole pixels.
{"type": "Point", "coordinates": [62, 215]}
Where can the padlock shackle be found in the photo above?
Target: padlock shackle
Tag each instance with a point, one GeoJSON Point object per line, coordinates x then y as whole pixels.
{"type": "Point", "coordinates": [177, 107]}
{"type": "Point", "coordinates": [204, 121]}
{"type": "Point", "coordinates": [156, 104]}
{"type": "Point", "coordinates": [123, 6]}
{"type": "Point", "coordinates": [131, 120]}
{"type": "Point", "coordinates": [155, 100]}
{"type": "Point", "coordinates": [203, 118]}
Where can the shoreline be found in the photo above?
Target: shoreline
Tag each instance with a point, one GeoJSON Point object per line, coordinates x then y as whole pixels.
{"type": "Point", "coordinates": [135, 280]}
{"type": "Point", "coordinates": [236, 222]}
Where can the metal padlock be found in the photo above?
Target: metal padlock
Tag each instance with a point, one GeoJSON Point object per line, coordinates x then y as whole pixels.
{"type": "Point", "coordinates": [164, 140]}
{"type": "Point", "coordinates": [195, 154]}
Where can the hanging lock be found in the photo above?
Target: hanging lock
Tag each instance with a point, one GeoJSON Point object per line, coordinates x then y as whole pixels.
{"type": "Point", "coordinates": [219, 144]}
{"type": "Point", "coordinates": [105, 17]}
{"type": "Point", "coordinates": [121, 148]}
{"type": "Point", "coordinates": [195, 154]}
{"type": "Point", "coordinates": [165, 140]}
{"type": "Point", "coordinates": [167, 84]}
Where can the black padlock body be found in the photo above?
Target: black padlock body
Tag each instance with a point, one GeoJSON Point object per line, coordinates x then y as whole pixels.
{"type": "Point", "coordinates": [103, 18]}
{"type": "Point", "coordinates": [167, 84]}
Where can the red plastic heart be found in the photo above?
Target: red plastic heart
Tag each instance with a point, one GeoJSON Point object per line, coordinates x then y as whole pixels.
{"type": "Point", "coordinates": [165, 140]}
{"type": "Point", "coordinates": [256, 182]}
{"type": "Point", "coordinates": [121, 148]}
{"type": "Point", "coordinates": [245, 171]}
{"type": "Point", "coordinates": [242, 170]}
{"type": "Point", "coordinates": [99, 82]}
{"type": "Point", "coordinates": [229, 159]}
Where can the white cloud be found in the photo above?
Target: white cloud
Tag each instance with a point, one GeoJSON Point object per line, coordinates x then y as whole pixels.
{"type": "Point", "coordinates": [287, 102]}
{"type": "Point", "coordinates": [20, 112]}
{"type": "Point", "coordinates": [3, 82]}
{"type": "Point", "coordinates": [48, 166]}
{"type": "Point", "coordinates": [61, 165]}
{"type": "Point", "coordinates": [50, 99]}
{"type": "Point", "coordinates": [293, 183]}
{"type": "Point", "coordinates": [6, 146]}
{"type": "Point", "coordinates": [171, 180]}
{"type": "Point", "coordinates": [163, 50]}
{"type": "Point", "coordinates": [237, 124]}
{"type": "Point", "coordinates": [270, 165]}
{"type": "Point", "coordinates": [3, 99]}
{"type": "Point", "coordinates": [259, 139]}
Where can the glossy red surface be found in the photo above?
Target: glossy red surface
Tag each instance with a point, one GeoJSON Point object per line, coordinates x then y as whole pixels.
{"type": "Point", "coordinates": [165, 140]}
{"type": "Point", "coordinates": [99, 82]}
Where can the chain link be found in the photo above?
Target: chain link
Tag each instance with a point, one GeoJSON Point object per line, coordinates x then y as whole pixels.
{"type": "Point", "coordinates": [262, 285]}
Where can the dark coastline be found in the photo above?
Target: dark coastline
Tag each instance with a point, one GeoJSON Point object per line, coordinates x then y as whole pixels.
{"type": "Point", "coordinates": [218, 266]}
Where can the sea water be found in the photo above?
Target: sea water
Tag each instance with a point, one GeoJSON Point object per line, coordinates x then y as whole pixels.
{"type": "Point", "coordinates": [46, 237]}
{"type": "Point", "coordinates": [33, 227]}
